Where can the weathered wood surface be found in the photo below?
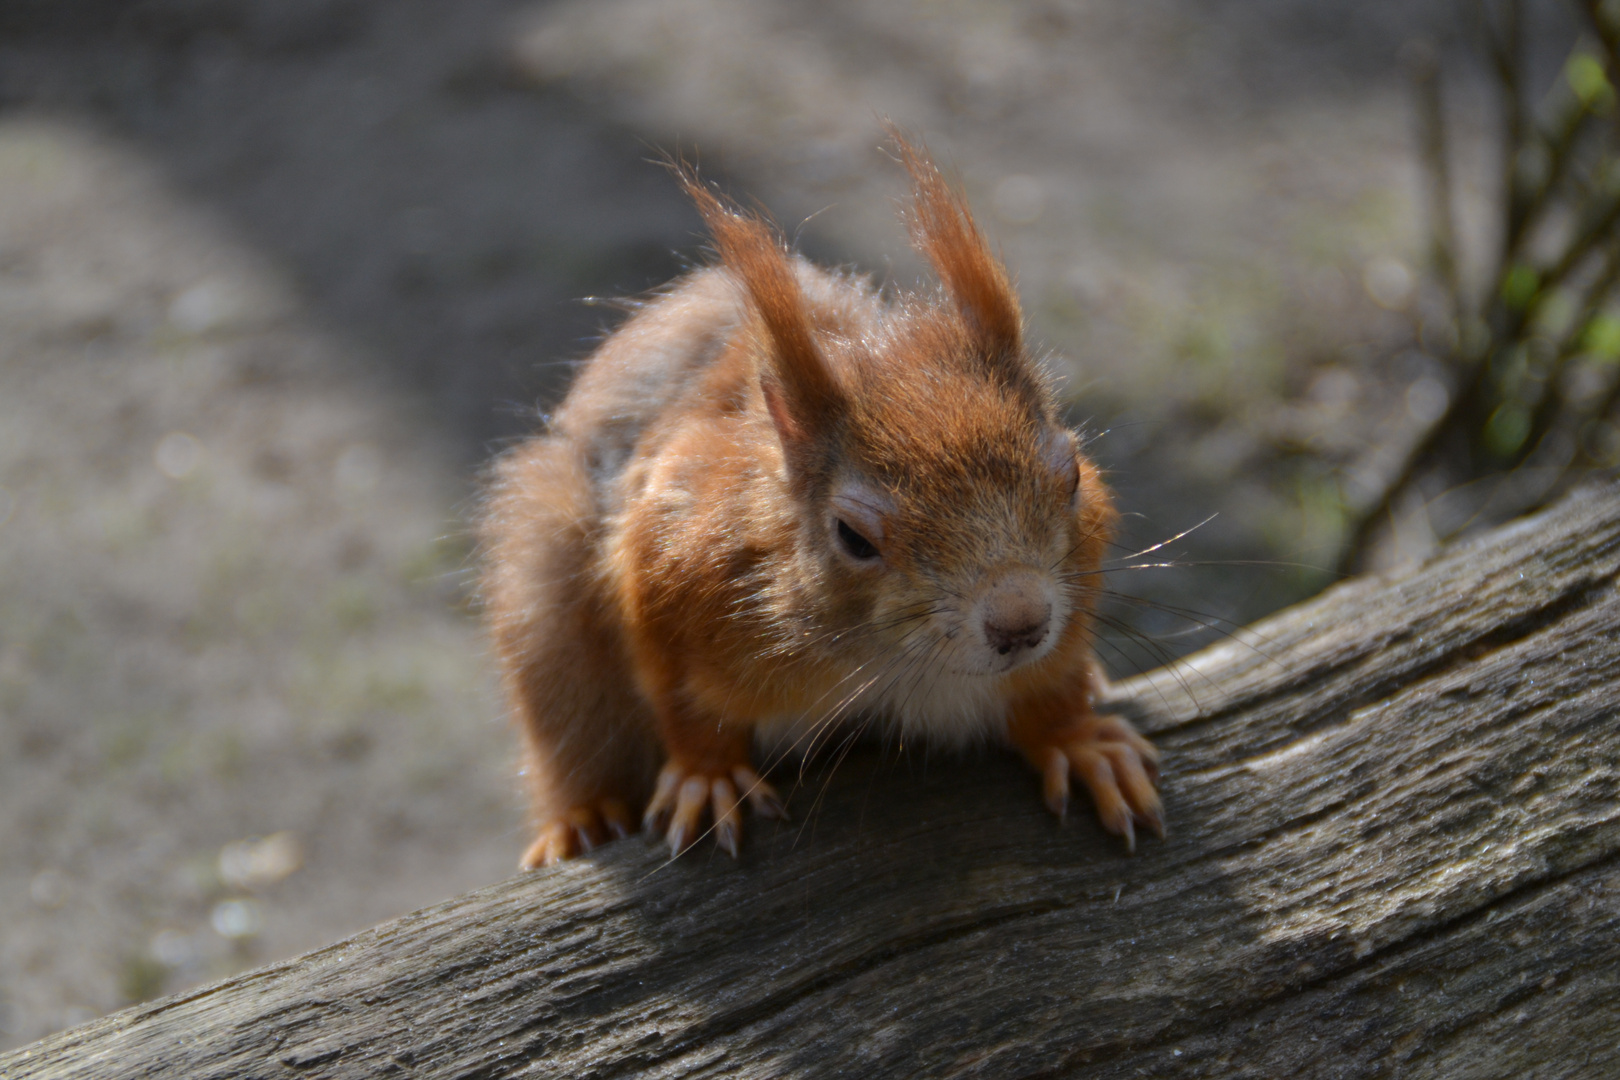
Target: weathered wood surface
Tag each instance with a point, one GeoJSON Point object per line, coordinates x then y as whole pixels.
{"type": "Point", "coordinates": [1394, 812]}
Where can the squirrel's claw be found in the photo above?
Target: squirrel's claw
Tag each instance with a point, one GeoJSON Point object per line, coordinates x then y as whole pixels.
{"type": "Point", "coordinates": [656, 817]}
{"type": "Point", "coordinates": [1117, 766]}
{"type": "Point", "coordinates": [727, 816]}
{"type": "Point", "coordinates": [616, 816]}
{"type": "Point", "coordinates": [688, 816]}
{"type": "Point", "coordinates": [761, 796]}
{"type": "Point", "coordinates": [577, 831]}
{"type": "Point", "coordinates": [684, 797]}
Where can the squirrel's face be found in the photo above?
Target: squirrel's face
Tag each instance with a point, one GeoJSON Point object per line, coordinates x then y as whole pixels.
{"type": "Point", "coordinates": [941, 503]}
{"type": "Point", "coordinates": [951, 531]}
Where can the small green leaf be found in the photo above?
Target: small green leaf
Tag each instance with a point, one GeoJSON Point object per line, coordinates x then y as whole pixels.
{"type": "Point", "coordinates": [1602, 337]}
{"type": "Point", "coordinates": [1585, 75]}
{"type": "Point", "coordinates": [1507, 429]}
{"type": "Point", "coordinates": [1555, 312]}
{"type": "Point", "coordinates": [1519, 286]}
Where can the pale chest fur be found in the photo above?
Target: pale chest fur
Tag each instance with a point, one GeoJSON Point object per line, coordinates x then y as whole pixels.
{"type": "Point", "coordinates": [941, 710]}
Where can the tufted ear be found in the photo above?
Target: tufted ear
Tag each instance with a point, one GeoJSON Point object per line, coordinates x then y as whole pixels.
{"type": "Point", "coordinates": [803, 398]}
{"type": "Point", "coordinates": [943, 230]}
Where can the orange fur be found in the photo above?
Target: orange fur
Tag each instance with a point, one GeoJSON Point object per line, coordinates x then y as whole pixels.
{"type": "Point", "coordinates": [774, 500]}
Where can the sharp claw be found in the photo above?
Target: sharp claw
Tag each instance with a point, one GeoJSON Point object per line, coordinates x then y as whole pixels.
{"type": "Point", "coordinates": [1055, 784]}
{"type": "Point", "coordinates": [762, 798]}
{"type": "Point", "coordinates": [1115, 764]}
{"type": "Point", "coordinates": [663, 801]}
{"type": "Point", "coordinates": [1156, 823]}
{"type": "Point", "coordinates": [688, 817]}
{"type": "Point", "coordinates": [584, 828]}
{"type": "Point", "coordinates": [767, 804]}
{"type": "Point", "coordinates": [535, 857]}
{"type": "Point", "coordinates": [616, 817]}
{"type": "Point", "coordinates": [727, 820]}
{"type": "Point", "coordinates": [1152, 814]}
{"type": "Point", "coordinates": [687, 798]}
{"type": "Point", "coordinates": [553, 845]}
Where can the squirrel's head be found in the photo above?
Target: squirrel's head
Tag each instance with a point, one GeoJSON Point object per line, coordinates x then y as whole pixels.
{"type": "Point", "coordinates": [950, 520]}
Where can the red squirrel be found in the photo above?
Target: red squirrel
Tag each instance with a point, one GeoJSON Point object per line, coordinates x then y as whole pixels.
{"type": "Point", "coordinates": [775, 499]}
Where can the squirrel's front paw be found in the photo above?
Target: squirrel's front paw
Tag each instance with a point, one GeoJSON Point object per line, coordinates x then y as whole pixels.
{"type": "Point", "coordinates": [578, 831]}
{"type": "Point", "coordinates": [1118, 766]}
{"type": "Point", "coordinates": [687, 793]}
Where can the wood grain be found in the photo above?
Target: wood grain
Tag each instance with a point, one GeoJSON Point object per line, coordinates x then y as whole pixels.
{"type": "Point", "coordinates": [1395, 818]}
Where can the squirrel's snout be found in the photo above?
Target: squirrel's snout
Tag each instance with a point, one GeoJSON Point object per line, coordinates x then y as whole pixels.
{"type": "Point", "coordinates": [1017, 614]}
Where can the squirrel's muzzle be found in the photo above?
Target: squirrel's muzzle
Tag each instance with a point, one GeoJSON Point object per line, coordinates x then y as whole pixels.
{"type": "Point", "coordinates": [1015, 614]}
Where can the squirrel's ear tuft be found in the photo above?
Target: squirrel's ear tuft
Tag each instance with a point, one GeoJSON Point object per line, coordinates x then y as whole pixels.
{"type": "Point", "coordinates": [942, 229]}
{"type": "Point", "coordinates": [800, 391]}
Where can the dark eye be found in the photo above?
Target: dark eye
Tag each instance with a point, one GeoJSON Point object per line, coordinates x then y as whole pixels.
{"type": "Point", "coordinates": [856, 545]}
{"type": "Point", "coordinates": [1060, 458]}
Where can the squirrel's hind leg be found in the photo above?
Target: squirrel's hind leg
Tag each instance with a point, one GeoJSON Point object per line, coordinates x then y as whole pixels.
{"type": "Point", "coordinates": [590, 747]}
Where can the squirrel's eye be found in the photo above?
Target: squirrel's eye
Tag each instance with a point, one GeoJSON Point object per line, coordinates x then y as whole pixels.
{"type": "Point", "coordinates": [854, 544]}
{"type": "Point", "coordinates": [1060, 458]}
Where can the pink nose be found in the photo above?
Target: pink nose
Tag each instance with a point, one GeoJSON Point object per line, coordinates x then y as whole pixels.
{"type": "Point", "coordinates": [1017, 615]}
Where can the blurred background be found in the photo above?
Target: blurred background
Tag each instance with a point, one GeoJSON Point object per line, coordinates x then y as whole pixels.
{"type": "Point", "coordinates": [277, 276]}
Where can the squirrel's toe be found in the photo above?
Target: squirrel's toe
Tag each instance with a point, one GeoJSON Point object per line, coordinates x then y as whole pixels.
{"type": "Point", "coordinates": [578, 830]}
{"type": "Point", "coordinates": [688, 798]}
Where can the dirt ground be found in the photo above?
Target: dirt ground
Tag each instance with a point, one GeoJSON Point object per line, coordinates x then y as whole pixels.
{"type": "Point", "coordinates": [277, 275]}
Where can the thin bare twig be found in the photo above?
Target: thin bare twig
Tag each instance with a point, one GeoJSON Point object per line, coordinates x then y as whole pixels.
{"type": "Point", "coordinates": [1424, 66]}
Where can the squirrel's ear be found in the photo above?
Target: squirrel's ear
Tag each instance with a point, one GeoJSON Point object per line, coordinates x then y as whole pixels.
{"type": "Point", "coordinates": [800, 391]}
{"type": "Point", "coordinates": [943, 230]}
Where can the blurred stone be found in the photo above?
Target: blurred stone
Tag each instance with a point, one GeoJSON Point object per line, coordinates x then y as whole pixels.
{"type": "Point", "coordinates": [177, 455]}
{"type": "Point", "coordinates": [1389, 282]}
{"type": "Point", "coordinates": [256, 862]}
{"type": "Point", "coordinates": [236, 919]}
{"type": "Point", "coordinates": [173, 949]}
{"type": "Point", "coordinates": [1426, 400]}
{"type": "Point", "coordinates": [206, 306]}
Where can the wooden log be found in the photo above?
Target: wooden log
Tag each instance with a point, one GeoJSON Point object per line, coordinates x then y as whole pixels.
{"type": "Point", "coordinates": [1394, 813]}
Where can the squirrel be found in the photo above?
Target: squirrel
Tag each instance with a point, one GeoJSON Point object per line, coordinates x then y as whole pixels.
{"type": "Point", "coordinates": [774, 499]}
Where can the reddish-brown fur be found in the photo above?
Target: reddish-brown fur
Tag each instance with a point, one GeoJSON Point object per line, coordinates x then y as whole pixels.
{"type": "Point", "coordinates": [773, 500]}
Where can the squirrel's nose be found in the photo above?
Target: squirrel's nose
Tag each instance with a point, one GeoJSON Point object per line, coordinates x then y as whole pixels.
{"type": "Point", "coordinates": [1017, 615]}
